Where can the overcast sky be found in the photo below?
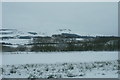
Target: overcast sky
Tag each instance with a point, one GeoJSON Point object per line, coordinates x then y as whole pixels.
{"type": "Point", "coordinates": [0, 15]}
{"type": "Point", "coordinates": [84, 18]}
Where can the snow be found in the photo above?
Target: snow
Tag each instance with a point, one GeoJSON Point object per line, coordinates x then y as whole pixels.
{"type": "Point", "coordinates": [0, 58]}
{"type": "Point", "coordinates": [65, 70]}
{"type": "Point", "coordinates": [16, 34]}
{"type": "Point", "coordinates": [0, 65]}
{"type": "Point", "coordinates": [17, 41]}
{"type": "Point", "coordinates": [87, 64]}
{"type": "Point", "coordinates": [57, 57]}
{"type": "Point", "coordinates": [79, 39]}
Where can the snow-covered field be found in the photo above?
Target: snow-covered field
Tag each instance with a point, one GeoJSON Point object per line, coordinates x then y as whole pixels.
{"type": "Point", "coordinates": [16, 41]}
{"type": "Point", "coordinates": [86, 64]}
{"type": "Point", "coordinates": [63, 70]}
{"type": "Point", "coordinates": [57, 57]}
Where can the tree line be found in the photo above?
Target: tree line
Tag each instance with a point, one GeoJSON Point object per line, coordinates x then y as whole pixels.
{"type": "Point", "coordinates": [68, 44]}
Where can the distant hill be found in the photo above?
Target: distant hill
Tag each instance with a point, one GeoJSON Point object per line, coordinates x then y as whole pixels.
{"type": "Point", "coordinates": [14, 40]}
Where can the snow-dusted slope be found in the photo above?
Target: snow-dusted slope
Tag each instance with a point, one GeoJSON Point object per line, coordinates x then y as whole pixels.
{"type": "Point", "coordinates": [15, 37]}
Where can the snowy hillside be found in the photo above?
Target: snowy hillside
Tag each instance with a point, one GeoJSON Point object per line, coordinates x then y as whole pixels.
{"type": "Point", "coordinates": [14, 37]}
